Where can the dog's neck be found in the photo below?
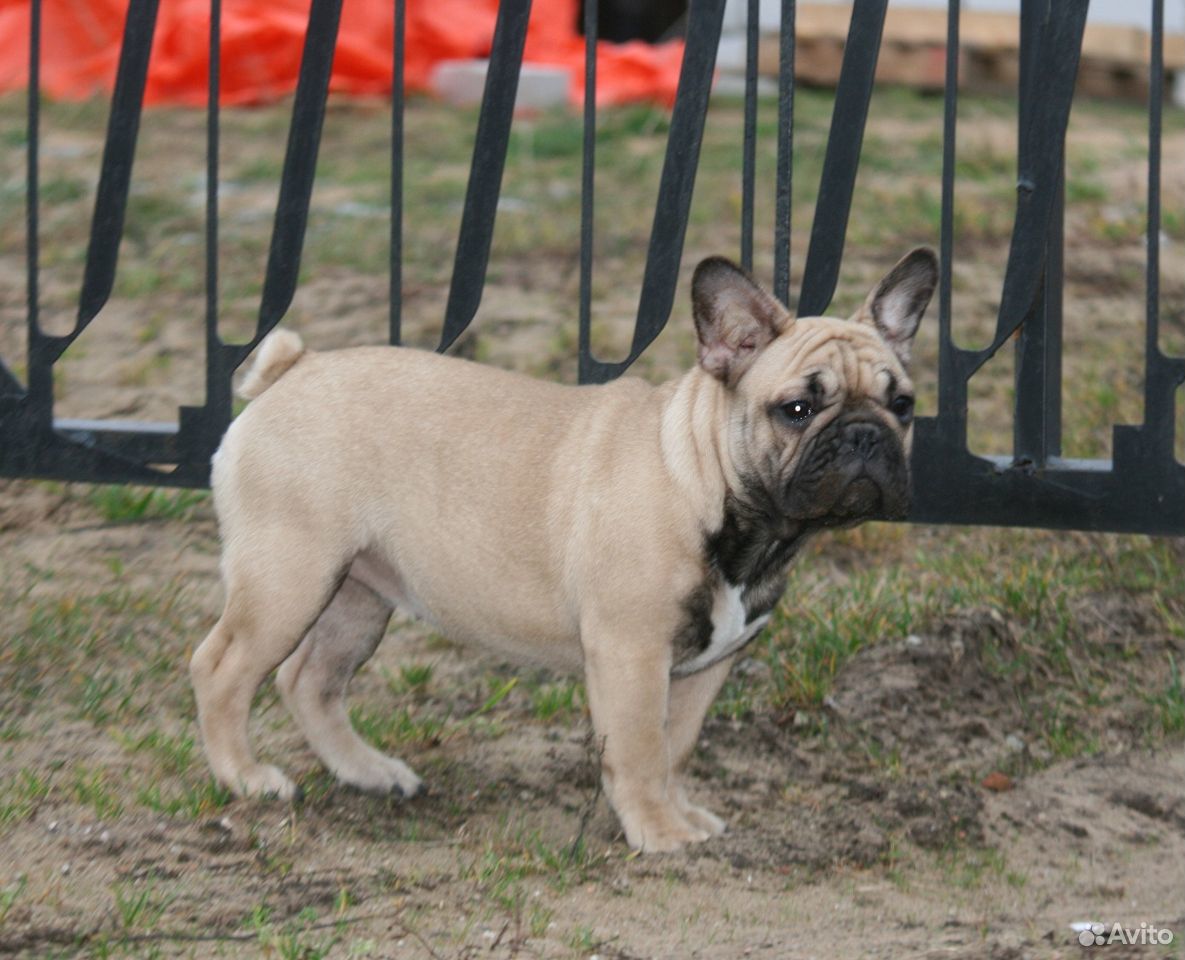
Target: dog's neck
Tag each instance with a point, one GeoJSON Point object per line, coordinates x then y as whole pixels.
{"type": "Point", "coordinates": [694, 437]}
{"type": "Point", "coordinates": [755, 541]}
{"type": "Point", "coordinates": [748, 540]}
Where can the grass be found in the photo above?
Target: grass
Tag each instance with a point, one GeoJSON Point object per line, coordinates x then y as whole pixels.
{"type": "Point", "coordinates": [826, 622]}
{"type": "Point", "coordinates": [130, 504]}
{"type": "Point", "coordinates": [20, 795]}
{"type": "Point", "coordinates": [506, 870]}
{"type": "Point", "coordinates": [1168, 705]}
{"type": "Point", "coordinates": [140, 906]}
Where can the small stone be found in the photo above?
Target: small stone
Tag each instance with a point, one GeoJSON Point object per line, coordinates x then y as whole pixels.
{"type": "Point", "coordinates": [53, 826]}
{"type": "Point", "coordinates": [105, 837]}
{"type": "Point", "coordinates": [65, 868]}
{"type": "Point", "coordinates": [1014, 743]}
{"type": "Point", "coordinates": [913, 640]}
{"type": "Point", "coordinates": [997, 781]}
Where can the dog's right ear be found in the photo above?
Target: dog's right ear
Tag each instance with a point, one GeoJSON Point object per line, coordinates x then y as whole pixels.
{"type": "Point", "coordinates": [734, 318]}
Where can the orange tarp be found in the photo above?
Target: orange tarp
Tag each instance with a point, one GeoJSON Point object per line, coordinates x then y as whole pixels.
{"type": "Point", "coordinates": [262, 42]}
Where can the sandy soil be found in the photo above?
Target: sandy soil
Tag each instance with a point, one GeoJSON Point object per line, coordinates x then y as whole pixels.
{"type": "Point", "coordinates": [830, 853]}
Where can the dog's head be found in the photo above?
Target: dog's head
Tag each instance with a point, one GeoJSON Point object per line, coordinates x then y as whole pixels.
{"type": "Point", "coordinates": [820, 408]}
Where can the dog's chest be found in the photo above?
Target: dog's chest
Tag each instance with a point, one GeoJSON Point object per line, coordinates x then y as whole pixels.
{"type": "Point", "coordinates": [717, 623]}
{"type": "Point", "coordinates": [745, 576]}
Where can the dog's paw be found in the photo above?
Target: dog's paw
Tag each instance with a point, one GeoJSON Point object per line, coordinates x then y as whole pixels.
{"type": "Point", "coordinates": [381, 775]}
{"type": "Point", "coordinates": [662, 831]}
{"type": "Point", "coordinates": [699, 816]}
{"type": "Point", "coordinates": [264, 780]}
{"type": "Point", "coordinates": [704, 819]}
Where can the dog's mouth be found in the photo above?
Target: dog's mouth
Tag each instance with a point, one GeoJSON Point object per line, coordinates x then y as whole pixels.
{"type": "Point", "coordinates": [866, 499]}
{"type": "Point", "coordinates": [861, 498]}
{"type": "Point", "coordinates": [857, 471]}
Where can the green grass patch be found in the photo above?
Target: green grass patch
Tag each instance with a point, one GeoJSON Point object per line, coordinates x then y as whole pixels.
{"type": "Point", "coordinates": [561, 701]}
{"type": "Point", "coordinates": [503, 868]}
{"type": "Point", "coordinates": [21, 794]}
{"type": "Point", "coordinates": [129, 504]}
{"type": "Point", "coordinates": [1168, 705]}
{"type": "Point", "coordinates": [1030, 580]}
{"type": "Point", "coordinates": [816, 636]}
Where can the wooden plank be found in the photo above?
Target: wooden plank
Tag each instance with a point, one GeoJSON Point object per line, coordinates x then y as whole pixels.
{"type": "Point", "coordinates": [981, 30]}
{"type": "Point", "coordinates": [913, 53]}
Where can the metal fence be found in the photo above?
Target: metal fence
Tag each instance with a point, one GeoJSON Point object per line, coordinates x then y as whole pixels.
{"type": "Point", "coordinates": [1141, 489]}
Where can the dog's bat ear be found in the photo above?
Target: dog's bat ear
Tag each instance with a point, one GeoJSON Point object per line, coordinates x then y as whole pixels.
{"type": "Point", "coordinates": [734, 318]}
{"type": "Point", "coordinates": [896, 305]}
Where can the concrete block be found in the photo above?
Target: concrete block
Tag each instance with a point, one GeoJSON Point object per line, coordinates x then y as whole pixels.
{"type": "Point", "coordinates": [462, 83]}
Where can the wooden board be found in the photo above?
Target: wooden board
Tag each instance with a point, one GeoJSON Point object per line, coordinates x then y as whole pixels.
{"type": "Point", "coordinates": [913, 51]}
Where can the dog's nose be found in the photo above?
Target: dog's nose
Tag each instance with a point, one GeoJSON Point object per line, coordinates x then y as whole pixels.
{"type": "Point", "coordinates": [863, 439]}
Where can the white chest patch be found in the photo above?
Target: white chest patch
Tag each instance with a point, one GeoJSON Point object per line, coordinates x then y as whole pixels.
{"type": "Point", "coordinates": [730, 632]}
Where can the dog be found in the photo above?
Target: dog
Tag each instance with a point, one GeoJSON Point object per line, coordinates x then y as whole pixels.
{"type": "Point", "coordinates": [639, 533]}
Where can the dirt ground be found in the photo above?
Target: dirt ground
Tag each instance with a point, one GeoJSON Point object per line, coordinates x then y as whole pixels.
{"type": "Point", "coordinates": [951, 743]}
{"type": "Point", "coordinates": [833, 850]}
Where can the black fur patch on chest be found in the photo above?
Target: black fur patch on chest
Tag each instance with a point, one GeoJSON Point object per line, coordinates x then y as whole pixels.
{"type": "Point", "coordinates": [751, 550]}
{"type": "Point", "coordinates": [694, 635]}
{"type": "Point", "coordinates": [754, 546]}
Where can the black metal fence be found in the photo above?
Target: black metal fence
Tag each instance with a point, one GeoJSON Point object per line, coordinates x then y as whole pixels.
{"type": "Point", "coordinates": [1141, 489]}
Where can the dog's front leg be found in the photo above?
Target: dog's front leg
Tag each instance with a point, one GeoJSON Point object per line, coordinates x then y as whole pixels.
{"type": "Point", "coordinates": [627, 676]}
{"type": "Point", "coordinates": [690, 699]}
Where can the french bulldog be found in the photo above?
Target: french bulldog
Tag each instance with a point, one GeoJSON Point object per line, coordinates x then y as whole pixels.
{"type": "Point", "coordinates": [640, 534]}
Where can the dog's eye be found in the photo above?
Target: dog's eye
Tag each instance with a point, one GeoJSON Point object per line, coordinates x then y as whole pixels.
{"type": "Point", "coordinates": [796, 411]}
{"type": "Point", "coordinates": [902, 408]}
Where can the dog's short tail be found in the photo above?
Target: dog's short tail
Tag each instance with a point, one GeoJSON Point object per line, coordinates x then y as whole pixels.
{"type": "Point", "coordinates": [278, 352]}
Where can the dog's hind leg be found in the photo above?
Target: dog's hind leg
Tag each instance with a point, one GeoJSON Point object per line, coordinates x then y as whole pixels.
{"type": "Point", "coordinates": [275, 591]}
{"type": "Point", "coordinates": [313, 682]}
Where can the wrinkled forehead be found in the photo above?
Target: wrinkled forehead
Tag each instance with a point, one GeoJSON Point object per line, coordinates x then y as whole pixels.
{"type": "Point", "coordinates": [824, 357]}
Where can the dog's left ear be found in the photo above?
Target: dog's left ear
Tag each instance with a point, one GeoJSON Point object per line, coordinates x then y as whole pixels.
{"type": "Point", "coordinates": [734, 318]}
{"type": "Point", "coordinates": [896, 306]}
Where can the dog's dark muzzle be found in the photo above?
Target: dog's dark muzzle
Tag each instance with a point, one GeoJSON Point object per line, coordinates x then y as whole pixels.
{"type": "Point", "coordinates": [872, 457]}
{"type": "Point", "coordinates": [858, 472]}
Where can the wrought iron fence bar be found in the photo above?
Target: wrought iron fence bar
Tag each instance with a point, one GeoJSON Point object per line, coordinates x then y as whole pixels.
{"type": "Point", "coordinates": [1152, 269]}
{"type": "Point", "coordinates": [11, 389]}
{"type": "Point", "coordinates": [38, 411]}
{"type": "Point", "coordinates": [1037, 407]}
{"type": "Point", "coordinates": [952, 389]}
{"type": "Point", "coordinates": [834, 202]}
{"type": "Point", "coordinates": [300, 164]}
{"type": "Point", "coordinates": [10, 386]}
{"type": "Point", "coordinates": [115, 174]}
{"type": "Point", "coordinates": [135, 441]}
{"type": "Point", "coordinates": [784, 175]}
{"type": "Point", "coordinates": [1058, 48]}
{"type": "Point", "coordinates": [676, 184]}
{"type": "Point", "coordinates": [1144, 454]}
{"type": "Point", "coordinates": [588, 170]}
{"type": "Point", "coordinates": [395, 290]}
{"type": "Point", "coordinates": [32, 190]}
{"type": "Point", "coordinates": [217, 387]}
{"type": "Point", "coordinates": [749, 149]}
{"type": "Point", "coordinates": [1162, 375]}
{"type": "Point", "coordinates": [485, 174]}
